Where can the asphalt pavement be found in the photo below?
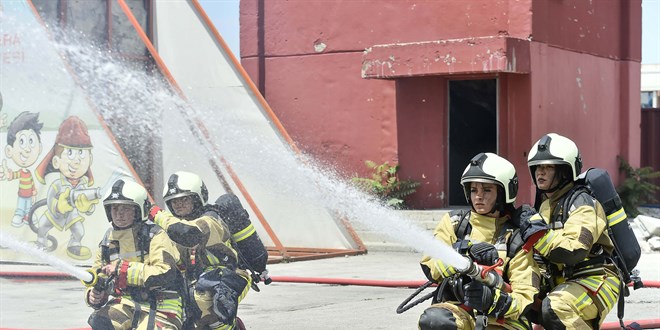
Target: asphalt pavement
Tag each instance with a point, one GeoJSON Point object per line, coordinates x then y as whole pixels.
{"type": "Point", "coordinates": [29, 303]}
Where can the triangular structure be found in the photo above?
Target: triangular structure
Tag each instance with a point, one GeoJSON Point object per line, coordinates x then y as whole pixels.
{"type": "Point", "coordinates": [214, 133]}
{"type": "Point", "coordinates": [49, 132]}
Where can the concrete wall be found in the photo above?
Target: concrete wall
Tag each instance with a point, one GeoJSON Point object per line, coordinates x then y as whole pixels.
{"type": "Point", "coordinates": [570, 67]}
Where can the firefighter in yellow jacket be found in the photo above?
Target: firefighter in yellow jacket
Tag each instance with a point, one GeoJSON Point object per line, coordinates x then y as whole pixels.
{"type": "Point", "coordinates": [484, 235]}
{"type": "Point", "coordinates": [136, 265]}
{"type": "Point", "coordinates": [209, 260]}
{"type": "Point", "coordinates": [572, 241]}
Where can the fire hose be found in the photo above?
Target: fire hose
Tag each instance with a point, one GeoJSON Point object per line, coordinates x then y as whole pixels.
{"type": "Point", "coordinates": [644, 324]}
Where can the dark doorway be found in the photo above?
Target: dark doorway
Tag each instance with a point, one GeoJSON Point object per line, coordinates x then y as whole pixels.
{"type": "Point", "coordinates": [472, 128]}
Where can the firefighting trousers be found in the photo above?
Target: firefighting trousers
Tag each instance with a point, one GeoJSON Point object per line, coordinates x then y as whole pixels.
{"type": "Point", "coordinates": [205, 303]}
{"type": "Point", "coordinates": [121, 315]}
{"type": "Point", "coordinates": [450, 316]}
{"type": "Point", "coordinates": [581, 303]}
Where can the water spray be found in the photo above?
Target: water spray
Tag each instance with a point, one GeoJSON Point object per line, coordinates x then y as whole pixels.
{"type": "Point", "coordinates": [23, 247]}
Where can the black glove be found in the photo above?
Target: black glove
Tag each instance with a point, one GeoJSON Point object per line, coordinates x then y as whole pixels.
{"type": "Point", "coordinates": [483, 253]}
{"type": "Point", "coordinates": [530, 222]}
{"type": "Point", "coordinates": [492, 302]}
{"type": "Point", "coordinates": [225, 299]}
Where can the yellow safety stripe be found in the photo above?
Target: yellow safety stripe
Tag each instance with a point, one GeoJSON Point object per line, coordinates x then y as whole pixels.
{"type": "Point", "coordinates": [616, 217]}
{"type": "Point", "coordinates": [213, 260]}
{"type": "Point", "coordinates": [613, 282]}
{"type": "Point", "coordinates": [582, 301]}
{"type": "Point", "coordinates": [516, 324]}
{"type": "Point", "coordinates": [496, 297]}
{"type": "Point", "coordinates": [594, 283]}
{"type": "Point", "coordinates": [607, 295]}
{"type": "Point", "coordinates": [166, 305]}
{"type": "Point", "coordinates": [544, 243]}
{"type": "Point", "coordinates": [219, 326]}
{"type": "Point", "coordinates": [445, 269]}
{"type": "Point", "coordinates": [172, 305]}
{"type": "Point", "coordinates": [513, 307]}
{"type": "Point", "coordinates": [243, 234]}
{"type": "Point", "coordinates": [133, 272]}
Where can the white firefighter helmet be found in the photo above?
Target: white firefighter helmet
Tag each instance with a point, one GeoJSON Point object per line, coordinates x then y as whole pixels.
{"type": "Point", "coordinates": [491, 168]}
{"type": "Point", "coordinates": [182, 184]}
{"type": "Point", "coordinates": [128, 193]}
{"type": "Point", "coordinates": [555, 149]}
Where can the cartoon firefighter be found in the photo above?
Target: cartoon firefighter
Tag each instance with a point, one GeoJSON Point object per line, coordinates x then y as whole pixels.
{"type": "Point", "coordinates": [23, 147]}
{"type": "Point", "coordinates": [69, 196]}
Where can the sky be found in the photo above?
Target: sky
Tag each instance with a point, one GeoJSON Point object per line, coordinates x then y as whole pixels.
{"type": "Point", "coordinates": [224, 14]}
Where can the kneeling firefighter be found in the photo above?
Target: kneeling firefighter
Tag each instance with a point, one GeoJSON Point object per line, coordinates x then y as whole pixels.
{"type": "Point", "coordinates": [208, 259]}
{"type": "Point", "coordinates": [484, 235]}
{"type": "Point", "coordinates": [137, 264]}
{"type": "Point", "coordinates": [570, 236]}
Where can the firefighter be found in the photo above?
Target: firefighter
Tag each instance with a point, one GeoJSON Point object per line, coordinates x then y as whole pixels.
{"type": "Point", "coordinates": [137, 265]}
{"type": "Point", "coordinates": [484, 234]}
{"type": "Point", "coordinates": [208, 258]}
{"type": "Point", "coordinates": [571, 241]}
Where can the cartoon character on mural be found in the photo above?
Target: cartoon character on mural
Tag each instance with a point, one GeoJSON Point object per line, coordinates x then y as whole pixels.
{"type": "Point", "coordinates": [23, 147]}
{"type": "Point", "coordinates": [70, 195]}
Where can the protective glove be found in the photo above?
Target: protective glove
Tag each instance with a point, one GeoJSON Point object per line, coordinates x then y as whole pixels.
{"type": "Point", "coordinates": [63, 205]}
{"type": "Point", "coordinates": [96, 299]}
{"type": "Point", "coordinates": [225, 299]}
{"type": "Point", "coordinates": [531, 224]}
{"type": "Point", "coordinates": [153, 211]}
{"type": "Point", "coordinates": [492, 302]}
{"type": "Point", "coordinates": [483, 253]}
{"type": "Point", "coordinates": [83, 204]}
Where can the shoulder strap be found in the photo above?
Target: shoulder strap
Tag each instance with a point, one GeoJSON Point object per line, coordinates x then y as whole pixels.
{"type": "Point", "coordinates": [515, 243]}
{"type": "Point", "coordinates": [464, 227]}
{"type": "Point", "coordinates": [559, 215]}
{"type": "Point", "coordinates": [146, 232]}
{"type": "Point", "coordinates": [105, 249]}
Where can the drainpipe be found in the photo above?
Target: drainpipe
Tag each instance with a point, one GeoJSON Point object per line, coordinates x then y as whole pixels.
{"type": "Point", "coordinates": [261, 47]}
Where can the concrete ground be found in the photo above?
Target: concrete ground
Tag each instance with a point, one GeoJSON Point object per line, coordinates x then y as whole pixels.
{"type": "Point", "coordinates": [46, 304]}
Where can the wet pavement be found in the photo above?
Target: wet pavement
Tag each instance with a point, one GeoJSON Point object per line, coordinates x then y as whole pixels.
{"type": "Point", "coordinates": [28, 303]}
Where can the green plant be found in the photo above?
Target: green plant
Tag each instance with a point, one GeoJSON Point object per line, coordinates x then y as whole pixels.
{"type": "Point", "coordinates": [385, 184]}
{"type": "Point", "coordinates": [638, 187]}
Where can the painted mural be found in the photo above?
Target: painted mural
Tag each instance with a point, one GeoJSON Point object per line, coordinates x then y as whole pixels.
{"type": "Point", "coordinates": [57, 158]}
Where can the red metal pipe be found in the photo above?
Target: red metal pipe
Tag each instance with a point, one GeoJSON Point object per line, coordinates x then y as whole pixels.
{"type": "Point", "coordinates": [283, 279]}
{"type": "Point", "coordinates": [348, 281]}
{"type": "Point", "coordinates": [645, 324]}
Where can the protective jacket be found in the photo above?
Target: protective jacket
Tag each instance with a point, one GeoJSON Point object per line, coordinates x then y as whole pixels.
{"type": "Point", "coordinates": [147, 275]}
{"type": "Point", "coordinates": [575, 232]}
{"type": "Point", "coordinates": [206, 250]}
{"type": "Point", "coordinates": [576, 251]}
{"type": "Point", "coordinates": [519, 269]}
{"type": "Point", "coordinates": [204, 243]}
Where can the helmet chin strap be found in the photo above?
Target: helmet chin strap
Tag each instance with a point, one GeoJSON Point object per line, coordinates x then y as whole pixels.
{"type": "Point", "coordinates": [558, 186]}
{"type": "Point", "coordinates": [495, 208]}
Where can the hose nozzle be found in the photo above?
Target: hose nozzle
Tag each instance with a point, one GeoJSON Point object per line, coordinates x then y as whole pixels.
{"type": "Point", "coordinates": [486, 276]}
{"type": "Point", "coordinates": [93, 279]}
